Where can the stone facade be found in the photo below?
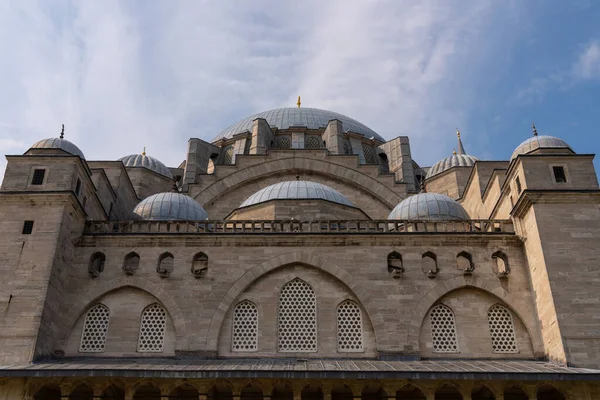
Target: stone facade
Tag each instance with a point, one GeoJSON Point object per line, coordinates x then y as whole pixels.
{"type": "Point", "coordinates": [300, 298]}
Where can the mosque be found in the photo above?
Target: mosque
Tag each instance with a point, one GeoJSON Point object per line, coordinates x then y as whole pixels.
{"type": "Point", "coordinates": [300, 256]}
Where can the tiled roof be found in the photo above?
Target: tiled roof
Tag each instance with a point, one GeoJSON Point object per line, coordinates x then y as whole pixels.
{"type": "Point", "coordinates": [311, 368]}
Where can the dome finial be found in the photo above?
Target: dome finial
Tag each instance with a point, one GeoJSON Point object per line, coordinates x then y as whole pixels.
{"type": "Point", "coordinates": [457, 133]}
{"type": "Point", "coordinates": [534, 130]}
{"type": "Point", "coordinates": [453, 152]}
{"type": "Point", "coordinates": [298, 102]}
{"type": "Point", "coordinates": [144, 152]}
{"type": "Point", "coordinates": [62, 133]}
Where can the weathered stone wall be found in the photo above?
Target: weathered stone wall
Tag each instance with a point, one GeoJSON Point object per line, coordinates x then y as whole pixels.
{"type": "Point", "coordinates": [126, 197]}
{"type": "Point", "coordinates": [451, 183]}
{"type": "Point", "coordinates": [302, 210]}
{"type": "Point", "coordinates": [396, 307]}
{"type": "Point", "coordinates": [146, 182]}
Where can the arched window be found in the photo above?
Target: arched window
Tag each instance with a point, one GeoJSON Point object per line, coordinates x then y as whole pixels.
{"type": "Point", "coordinates": [349, 327]}
{"type": "Point", "coordinates": [283, 142]}
{"type": "Point", "coordinates": [228, 155]}
{"type": "Point", "coordinates": [394, 263]}
{"type": "Point", "coordinates": [443, 330]}
{"type": "Point", "coordinates": [429, 264]}
{"type": "Point", "coordinates": [165, 265]}
{"type": "Point", "coordinates": [152, 329]}
{"type": "Point", "coordinates": [297, 317]}
{"type": "Point", "coordinates": [464, 262]}
{"type": "Point", "coordinates": [200, 265]}
{"type": "Point", "coordinates": [131, 263]}
{"type": "Point", "coordinates": [312, 142]}
{"type": "Point", "coordinates": [502, 330]}
{"type": "Point", "coordinates": [96, 266]}
{"type": "Point", "coordinates": [95, 328]}
{"type": "Point", "coordinates": [245, 327]}
{"type": "Point", "coordinates": [384, 164]}
{"type": "Point", "coordinates": [347, 147]}
{"type": "Point", "coordinates": [502, 268]}
{"type": "Point", "coordinates": [368, 153]}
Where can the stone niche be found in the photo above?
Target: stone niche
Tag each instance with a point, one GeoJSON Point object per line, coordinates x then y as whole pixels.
{"type": "Point", "coordinates": [304, 210]}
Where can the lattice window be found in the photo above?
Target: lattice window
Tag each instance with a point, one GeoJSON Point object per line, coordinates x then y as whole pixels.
{"type": "Point", "coordinates": [152, 329]}
{"type": "Point", "coordinates": [283, 142]}
{"type": "Point", "coordinates": [95, 328]}
{"type": "Point", "coordinates": [502, 330]}
{"type": "Point", "coordinates": [443, 330]}
{"type": "Point", "coordinates": [312, 142]}
{"type": "Point", "coordinates": [369, 155]}
{"type": "Point", "coordinates": [245, 327]}
{"type": "Point", "coordinates": [349, 327]}
{"type": "Point", "coordinates": [228, 155]}
{"type": "Point", "coordinates": [297, 317]}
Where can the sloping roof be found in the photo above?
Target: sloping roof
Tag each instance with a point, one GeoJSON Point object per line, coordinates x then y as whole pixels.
{"type": "Point", "coordinates": [311, 368]}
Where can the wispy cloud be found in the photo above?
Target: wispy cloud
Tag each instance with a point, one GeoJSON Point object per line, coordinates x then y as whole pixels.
{"type": "Point", "coordinates": [588, 64]}
{"type": "Point", "coordinates": [122, 75]}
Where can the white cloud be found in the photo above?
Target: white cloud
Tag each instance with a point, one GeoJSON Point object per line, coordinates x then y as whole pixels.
{"type": "Point", "coordinates": [588, 64]}
{"type": "Point", "coordinates": [122, 75]}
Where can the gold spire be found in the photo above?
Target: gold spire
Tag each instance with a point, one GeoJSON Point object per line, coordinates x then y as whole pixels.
{"type": "Point", "coordinates": [457, 133]}
{"type": "Point", "coordinates": [534, 130]}
{"type": "Point", "coordinates": [454, 152]}
{"type": "Point", "coordinates": [298, 102]}
{"type": "Point", "coordinates": [144, 152]}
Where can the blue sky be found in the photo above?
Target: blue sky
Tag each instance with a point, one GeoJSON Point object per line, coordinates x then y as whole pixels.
{"type": "Point", "coordinates": [123, 75]}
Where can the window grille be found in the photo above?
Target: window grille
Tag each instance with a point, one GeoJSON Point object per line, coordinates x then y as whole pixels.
{"type": "Point", "coordinates": [502, 330]}
{"type": "Point", "coordinates": [245, 327]}
{"type": "Point", "coordinates": [95, 328]}
{"type": "Point", "coordinates": [228, 155]}
{"type": "Point", "coordinates": [312, 142]}
{"type": "Point", "coordinates": [283, 142]}
{"type": "Point", "coordinates": [349, 327]}
{"type": "Point", "coordinates": [443, 330]}
{"type": "Point", "coordinates": [369, 155]}
{"type": "Point", "coordinates": [297, 317]}
{"type": "Point", "coordinates": [27, 228]}
{"type": "Point", "coordinates": [152, 329]}
{"type": "Point", "coordinates": [38, 176]}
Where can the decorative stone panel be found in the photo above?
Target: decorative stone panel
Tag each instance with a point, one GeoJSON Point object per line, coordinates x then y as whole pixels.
{"type": "Point", "coordinates": [297, 317]}
{"type": "Point", "coordinates": [245, 327]}
{"type": "Point", "coordinates": [349, 327]}
{"type": "Point", "coordinates": [443, 330]}
{"type": "Point", "coordinates": [152, 329]}
{"type": "Point", "coordinates": [502, 330]}
{"type": "Point", "coordinates": [95, 328]}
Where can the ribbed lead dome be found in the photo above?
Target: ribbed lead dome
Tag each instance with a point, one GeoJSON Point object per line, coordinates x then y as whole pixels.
{"type": "Point", "coordinates": [168, 207]}
{"type": "Point", "coordinates": [312, 118]}
{"type": "Point", "coordinates": [142, 160]}
{"type": "Point", "coordinates": [540, 142]}
{"type": "Point", "coordinates": [428, 207]}
{"type": "Point", "coordinates": [455, 160]}
{"type": "Point", "coordinates": [297, 190]}
{"type": "Point", "coordinates": [58, 143]}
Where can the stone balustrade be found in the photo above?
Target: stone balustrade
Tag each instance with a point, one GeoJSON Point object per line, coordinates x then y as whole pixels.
{"type": "Point", "coordinates": [296, 227]}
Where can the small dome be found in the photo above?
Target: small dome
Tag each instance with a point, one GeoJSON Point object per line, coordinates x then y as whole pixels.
{"type": "Point", "coordinates": [455, 160]}
{"type": "Point", "coordinates": [58, 143]}
{"type": "Point", "coordinates": [297, 190]}
{"type": "Point", "coordinates": [540, 142]}
{"type": "Point", "coordinates": [142, 160]}
{"type": "Point", "coordinates": [169, 206]}
{"type": "Point", "coordinates": [312, 118]}
{"type": "Point", "coordinates": [428, 207]}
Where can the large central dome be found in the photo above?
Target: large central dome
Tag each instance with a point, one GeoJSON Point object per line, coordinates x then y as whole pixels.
{"type": "Point", "coordinates": [312, 118]}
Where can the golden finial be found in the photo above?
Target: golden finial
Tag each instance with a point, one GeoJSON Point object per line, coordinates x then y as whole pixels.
{"type": "Point", "coordinates": [298, 102]}
{"type": "Point", "coordinates": [454, 152]}
{"type": "Point", "coordinates": [534, 130]}
{"type": "Point", "coordinates": [144, 152]}
{"type": "Point", "coordinates": [457, 133]}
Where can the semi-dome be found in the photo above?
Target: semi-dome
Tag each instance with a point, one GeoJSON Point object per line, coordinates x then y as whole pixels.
{"type": "Point", "coordinates": [455, 160]}
{"type": "Point", "coordinates": [143, 160]}
{"type": "Point", "coordinates": [312, 118]}
{"type": "Point", "coordinates": [168, 207]}
{"type": "Point", "coordinates": [297, 190]}
{"type": "Point", "coordinates": [428, 207]}
{"type": "Point", "coordinates": [540, 142]}
{"type": "Point", "coordinates": [58, 143]}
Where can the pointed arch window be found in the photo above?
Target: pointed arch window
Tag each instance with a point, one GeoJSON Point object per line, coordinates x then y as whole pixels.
{"type": "Point", "coordinates": [245, 327]}
{"type": "Point", "coordinates": [443, 330]}
{"type": "Point", "coordinates": [152, 329]}
{"type": "Point", "coordinates": [297, 318]}
{"type": "Point", "coordinates": [502, 330]}
{"type": "Point", "coordinates": [349, 327]}
{"type": "Point", "coordinates": [95, 328]}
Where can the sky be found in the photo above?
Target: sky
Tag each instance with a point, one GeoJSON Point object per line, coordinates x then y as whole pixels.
{"type": "Point", "coordinates": [122, 75]}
